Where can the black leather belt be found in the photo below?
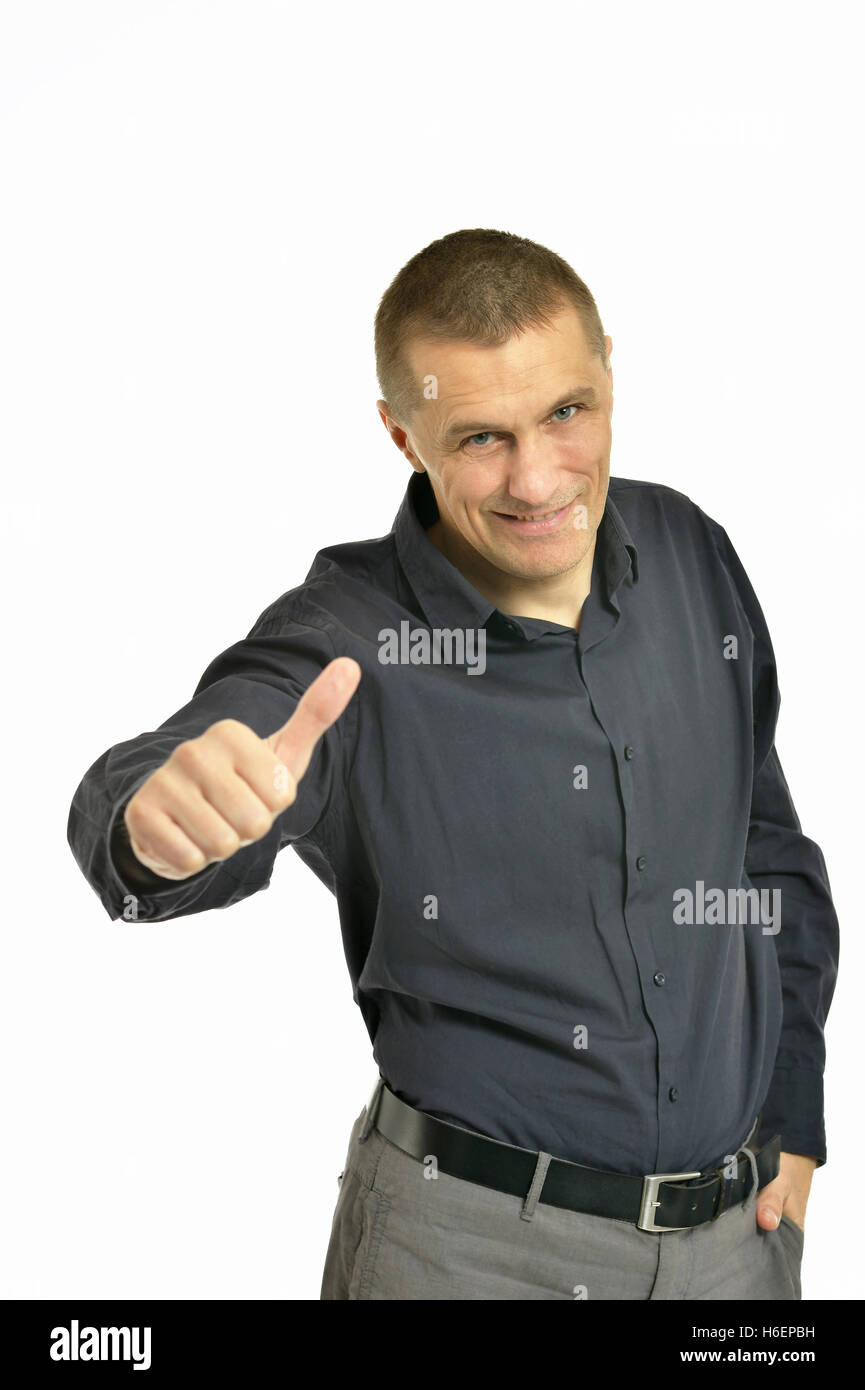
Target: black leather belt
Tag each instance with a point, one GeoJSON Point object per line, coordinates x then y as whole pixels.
{"type": "Point", "coordinates": [656, 1202]}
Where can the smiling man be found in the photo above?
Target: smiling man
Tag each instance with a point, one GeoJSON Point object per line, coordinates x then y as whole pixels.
{"type": "Point", "coordinates": [516, 444]}
{"type": "Point", "coordinates": [585, 1088]}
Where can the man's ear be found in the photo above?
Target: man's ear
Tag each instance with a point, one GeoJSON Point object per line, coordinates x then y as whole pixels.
{"type": "Point", "coordinates": [399, 436]}
{"type": "Point", "coordinates": [396, 432]}
{"type": "Point", "coordinates": [384, 413]}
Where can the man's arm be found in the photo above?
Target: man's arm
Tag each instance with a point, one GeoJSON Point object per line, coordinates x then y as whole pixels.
{"type": "Point", "coordinates": [258, 682]}
{"type": "Point", "coordinates": [779, 856]}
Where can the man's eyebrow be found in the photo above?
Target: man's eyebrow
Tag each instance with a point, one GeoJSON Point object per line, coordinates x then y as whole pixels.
{"type": "Point", "coordinates": [577, 395]}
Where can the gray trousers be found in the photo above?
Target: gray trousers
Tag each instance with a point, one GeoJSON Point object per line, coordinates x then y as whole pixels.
{"type": "Point", "coordinates": [401, 1233]}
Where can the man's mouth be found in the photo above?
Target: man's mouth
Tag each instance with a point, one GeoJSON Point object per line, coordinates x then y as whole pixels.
{"type": "Point", "coordinates": [534, 523]}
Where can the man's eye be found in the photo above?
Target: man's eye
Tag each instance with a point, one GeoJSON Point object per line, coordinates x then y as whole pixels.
{"type": "Point", "coordinates": [478, 441]}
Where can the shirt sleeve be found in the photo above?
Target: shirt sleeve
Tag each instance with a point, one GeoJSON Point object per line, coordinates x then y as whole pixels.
{"type": "Point", "coordinates": [259, 682]}
{"type": "Point", "coordinates": [779, 856]}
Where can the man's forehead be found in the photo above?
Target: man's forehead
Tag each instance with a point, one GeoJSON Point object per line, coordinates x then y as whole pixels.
{"type": "Point", "coordinates": [457, 378]}
{"type": "Point", "coordinates": [530, 347]}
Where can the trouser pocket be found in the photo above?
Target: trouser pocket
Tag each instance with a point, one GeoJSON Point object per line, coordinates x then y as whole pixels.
{"type": "Point", "coordinates": [792, 1239]}
{"type": "Point", "coordinates": [356, 1233]}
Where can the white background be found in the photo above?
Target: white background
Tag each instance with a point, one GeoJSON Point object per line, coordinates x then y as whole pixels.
{"type": "Point", "coordinates": [202, 204]}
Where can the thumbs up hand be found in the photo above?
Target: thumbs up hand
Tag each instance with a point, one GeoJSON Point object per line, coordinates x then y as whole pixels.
{"type": "Point", "coordinates": [223, 790]}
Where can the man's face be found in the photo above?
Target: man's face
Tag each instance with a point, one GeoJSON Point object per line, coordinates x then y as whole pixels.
{"type": "Point", "coordinates": [515, 433]}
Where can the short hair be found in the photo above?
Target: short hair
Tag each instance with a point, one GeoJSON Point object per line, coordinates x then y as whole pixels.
{"type": "Point", "coordinates": [475, 285]}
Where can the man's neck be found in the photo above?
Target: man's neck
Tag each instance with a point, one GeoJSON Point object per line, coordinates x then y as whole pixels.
{"type": "Point", "coordinates": [558, 599]}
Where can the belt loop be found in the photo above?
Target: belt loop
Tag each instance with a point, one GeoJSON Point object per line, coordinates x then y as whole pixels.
{"type": "Point", "coordinates": [371, 1108]}
{"type": "Point", "coordinates": [536, 1188]}
{"type": "Point", "coordinates": [751, 1196]}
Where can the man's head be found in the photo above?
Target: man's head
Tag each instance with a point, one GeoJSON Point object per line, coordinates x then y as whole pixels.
{"type": "Point", "coordinates": [495, 376]}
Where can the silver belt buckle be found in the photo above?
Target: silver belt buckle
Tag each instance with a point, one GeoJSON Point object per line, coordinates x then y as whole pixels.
{"type": "Point", "coordinates": [649, 1200]}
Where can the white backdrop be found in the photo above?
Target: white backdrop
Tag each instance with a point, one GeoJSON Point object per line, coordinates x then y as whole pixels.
{"type": "Point", "coordinates": [202, 204]}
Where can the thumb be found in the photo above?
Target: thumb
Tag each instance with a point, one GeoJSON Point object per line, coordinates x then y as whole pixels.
{"type": "Point", "coordinates": [316, 710]}
{"type": "Point", "coordinates": [770, 1202]}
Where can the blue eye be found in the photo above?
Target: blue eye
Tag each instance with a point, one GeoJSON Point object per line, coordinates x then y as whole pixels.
{"type": "Point", "coordinates": [479, 441]}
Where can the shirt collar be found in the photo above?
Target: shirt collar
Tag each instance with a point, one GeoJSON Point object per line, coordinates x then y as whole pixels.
{"type": "Point", "coordinates": [445, 595]}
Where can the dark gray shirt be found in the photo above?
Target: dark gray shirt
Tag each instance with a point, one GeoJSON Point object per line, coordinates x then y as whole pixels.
{"type": "Point", "coordinates": [578, 910]}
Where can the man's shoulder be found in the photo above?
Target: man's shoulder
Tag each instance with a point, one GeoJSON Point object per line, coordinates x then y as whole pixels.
{"type": "Point", "coordinates": [643, 504]}
{"type": "Point", "coordinates": [641, 494]}
{"type": "Point", "coordinates": [342, 577]}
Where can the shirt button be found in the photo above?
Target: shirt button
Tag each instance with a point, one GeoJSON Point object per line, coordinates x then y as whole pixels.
{"type": "Point", "coordinates": [673, 1093]}
{"type": "Point", "coordinates": [659, 978]}
{"type": "Point", "coordinates": [629, 752]}
{"type": "Point", "coordinates": [642, 862]}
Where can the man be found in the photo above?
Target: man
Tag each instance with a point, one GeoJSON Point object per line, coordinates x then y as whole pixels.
{"type": "Point", "coordinates": [527, 739]}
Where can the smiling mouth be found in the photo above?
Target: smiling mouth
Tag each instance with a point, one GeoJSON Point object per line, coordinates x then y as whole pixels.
{"type": "Point", "coordinates": [533, 516]}
{"type": "Point", "coordinates": [532, 524]}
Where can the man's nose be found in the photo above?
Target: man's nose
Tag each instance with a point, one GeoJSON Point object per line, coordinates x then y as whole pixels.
{"type": "Point", "coordinates": [533, 474]}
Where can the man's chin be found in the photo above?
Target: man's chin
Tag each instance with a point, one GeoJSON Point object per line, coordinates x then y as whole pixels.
{"type": "Point", "coordinates": [521, 565]}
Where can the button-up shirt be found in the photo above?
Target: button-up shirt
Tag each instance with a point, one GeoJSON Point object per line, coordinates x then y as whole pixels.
{"type": "Point", "coordinates": [578, 910]}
